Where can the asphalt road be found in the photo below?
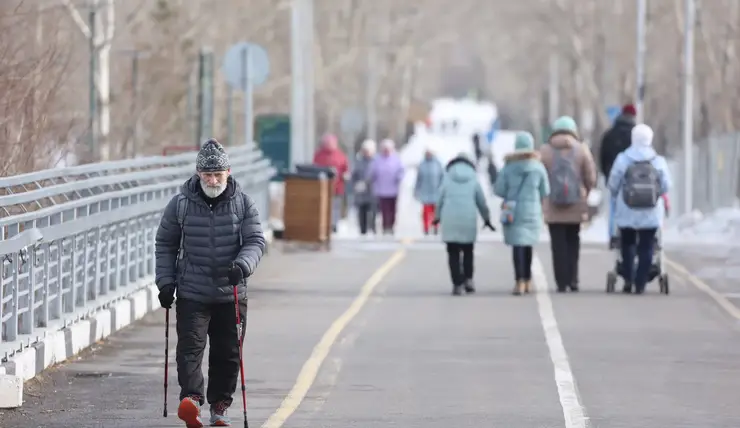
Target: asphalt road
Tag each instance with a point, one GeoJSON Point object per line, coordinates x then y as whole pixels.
{"type": "Point", "coordinates": [410, 355]}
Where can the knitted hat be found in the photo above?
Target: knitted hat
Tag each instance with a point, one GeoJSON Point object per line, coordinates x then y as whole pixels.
{"type": "Point", "coordinates": [629, 109]}
{"type": "Point", "coordinates": [524, 142]}
{"type": "Point", "coordinates": [565, 124]}
{"type": "Point", "coordinates": [212, 157]}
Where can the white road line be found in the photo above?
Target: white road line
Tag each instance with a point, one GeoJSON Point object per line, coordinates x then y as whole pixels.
{"type": "Point", "coordinates": [573, 411]}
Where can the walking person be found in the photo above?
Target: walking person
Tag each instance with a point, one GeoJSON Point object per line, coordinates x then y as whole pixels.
{"type": "Point", "coordinates": [209, 241]}
{"type": "Point", "coordinates": [522, 185]}
{"type": "Point", "coordinates": [572, 174]}
{"type": "Point", "coordinates": [365, 201]}
{"type": "Point", "coordinates": [331, 156]}
{"type": "Point", "coordinates": [638, 182]}
{"type": "Point", "coordinates": [426, 190]}
{"type": "Point", "coordinates": [616, 140]}
{"type": "Point", "coordinates": [461, 198]}
{"type": "Point", "coordinates": [385, 175]}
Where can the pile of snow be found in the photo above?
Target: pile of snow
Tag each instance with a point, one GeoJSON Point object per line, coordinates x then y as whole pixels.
{"type": "Point", "coordinates": [720, 227]}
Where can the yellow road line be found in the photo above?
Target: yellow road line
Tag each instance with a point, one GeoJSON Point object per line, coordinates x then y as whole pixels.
{"type": "Point", "coordinates": [721, 300]}
{"type": "Point", "coordinates": [310, 370]}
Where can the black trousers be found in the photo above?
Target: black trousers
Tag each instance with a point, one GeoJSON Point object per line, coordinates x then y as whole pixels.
{"type": "Point", "coordinates": [565, 245]}
{"type": "Point", "coordinates": [522, 256]}
{"type": "Point", "coordinates": [366, 217]}
{"type": "Point", "coordinates": [460, 260]}
{"type": "Point", "coordinates": [195, 322]}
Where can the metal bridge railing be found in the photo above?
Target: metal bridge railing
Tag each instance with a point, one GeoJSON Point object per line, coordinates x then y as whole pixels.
{"type": "Point", "coordinates": [73, 240]}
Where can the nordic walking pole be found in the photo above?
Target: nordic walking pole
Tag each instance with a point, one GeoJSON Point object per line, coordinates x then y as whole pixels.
{"type": "Point", "coordinates": [241, 356]}
{"type": "Point", "coordinates": [166, 356]}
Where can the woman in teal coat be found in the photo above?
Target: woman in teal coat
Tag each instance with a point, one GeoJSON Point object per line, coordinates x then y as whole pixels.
{"type": "Point", "coordinates": [461, 199]}
{"type": "Point", "coordinates": [522, 184]}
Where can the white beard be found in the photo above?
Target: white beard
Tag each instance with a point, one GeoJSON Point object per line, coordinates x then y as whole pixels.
{"type": "Point", "coordinates": [212, 191]}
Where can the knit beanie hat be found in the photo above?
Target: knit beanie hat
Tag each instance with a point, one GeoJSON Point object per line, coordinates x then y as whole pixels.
{"type": "Point", "coordinates": [212, 157]}
{"type": "Point", "coordinates": [565, 124]}
{"type": "Point", "coordinates": [629, 109]}
{"type": "Point", "coordinates": [524, 142]}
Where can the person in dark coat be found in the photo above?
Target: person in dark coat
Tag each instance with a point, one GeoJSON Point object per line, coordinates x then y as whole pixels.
{"type": "Point", "coordinates": [365, 201]}
{"type": "Point", "coordinates": [209, 241]}
{"type": "Point", "coordinates": [617, 139]}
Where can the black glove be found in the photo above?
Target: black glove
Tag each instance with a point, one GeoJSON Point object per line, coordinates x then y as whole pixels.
{"type": "Point", "coordinates": [167, 295]}
{"type": "Point", "coordinates": [236, 275]}
{"type": "Point", "coordinates": [489, 225]}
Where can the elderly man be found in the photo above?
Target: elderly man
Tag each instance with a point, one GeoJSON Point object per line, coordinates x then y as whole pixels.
{"type": "Point", "coordinates": [209, 241]}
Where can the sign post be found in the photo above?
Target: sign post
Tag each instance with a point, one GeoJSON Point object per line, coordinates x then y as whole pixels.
{"type": "Point", "coordinates": [245, 66]}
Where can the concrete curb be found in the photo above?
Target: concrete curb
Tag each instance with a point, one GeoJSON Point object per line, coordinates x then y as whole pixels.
{"type": "Point", "coordinates": [61, 345]}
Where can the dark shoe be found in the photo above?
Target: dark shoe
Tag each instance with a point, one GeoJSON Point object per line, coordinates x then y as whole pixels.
{"type": "Point", "coordinates": [469, 286]}
{"type": "Point", "coordinates": [189, 412]}
{"type": "Point", "coordinates": [574, 288]}
{"type": "Point", "coordinates": [627, 289]}
{"type": "Point", "coordinates": [562, 288]}
{"type": "Point", "coordinates": [639, 290]}
{"type": "Point", "coordinates": [457, 290]}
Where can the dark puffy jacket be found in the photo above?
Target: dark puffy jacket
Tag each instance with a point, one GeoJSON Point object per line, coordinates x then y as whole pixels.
{"type": "Point", "coordinates": [616, 140]}
{"type": "Point", "coordinates": [211, 240]}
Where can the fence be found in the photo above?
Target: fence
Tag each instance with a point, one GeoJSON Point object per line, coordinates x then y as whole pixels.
{"type": "Point", "coordinates": [716, 170]}
{"type": "Point", "coordinates": [73, 240]}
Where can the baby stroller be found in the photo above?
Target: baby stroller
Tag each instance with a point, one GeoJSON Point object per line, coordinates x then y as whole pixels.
{"type": "Point", "coordinates": [657, 269]}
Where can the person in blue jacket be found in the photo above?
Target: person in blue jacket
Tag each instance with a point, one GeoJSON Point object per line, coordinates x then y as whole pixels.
{"type": "Point", "coordinates": [638, 226]}
{"type": "Point", "coordinates": [461, 199]}
{"type": "Point", "coordinates": [426, 190]}
{"type": "Point", "coordinates": [522, 184]}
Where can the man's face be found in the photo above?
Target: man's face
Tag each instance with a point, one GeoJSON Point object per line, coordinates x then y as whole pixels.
{"type": "Point", "coordinates": [213, 183]}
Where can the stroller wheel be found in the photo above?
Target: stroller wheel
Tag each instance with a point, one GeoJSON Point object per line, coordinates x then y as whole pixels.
{"type": "Point", "coordinates": [664, 288]}
{"type": "Point", "coordinates": [611, 282]}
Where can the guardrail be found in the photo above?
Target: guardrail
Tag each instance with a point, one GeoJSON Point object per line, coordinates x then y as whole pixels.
{"type": "Point", "coordinates": [75, 240]}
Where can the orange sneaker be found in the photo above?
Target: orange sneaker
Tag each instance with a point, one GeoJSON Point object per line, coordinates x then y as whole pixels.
{"type": "Point", "coordinates": [189, 412]}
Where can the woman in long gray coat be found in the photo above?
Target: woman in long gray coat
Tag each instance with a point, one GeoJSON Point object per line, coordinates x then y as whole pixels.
{"type": "Point", "coordinates": [365, 202]}
{"type": "Point", "coordinates": [522, 184]}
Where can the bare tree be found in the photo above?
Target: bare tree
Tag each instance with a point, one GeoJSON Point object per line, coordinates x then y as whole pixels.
{"type": "Point", "coordinates": [34, 131]}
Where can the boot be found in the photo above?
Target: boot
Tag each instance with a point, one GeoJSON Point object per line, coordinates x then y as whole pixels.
{"type": "Point", "coordinates": [518, 288]}
{"type": "Point", "coordinates": [469, 286]}
{"type": "Point", "coordinates": [527, 285]}
{"type": "Point", "coordinates": [457, 290]}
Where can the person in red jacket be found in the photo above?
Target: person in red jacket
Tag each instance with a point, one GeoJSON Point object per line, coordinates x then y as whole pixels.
{"type": "Point", "coordinates": [331, 156]}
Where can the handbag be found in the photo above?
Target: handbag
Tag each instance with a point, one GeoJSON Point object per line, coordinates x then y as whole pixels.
{"type": "Point", "coordinates": [508, 208]}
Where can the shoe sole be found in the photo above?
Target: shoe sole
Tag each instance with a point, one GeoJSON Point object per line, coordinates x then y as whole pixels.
{"type": "Point", "coordinates": [188, 412]}
{"type": "Point", "coordinates": [220, 424]}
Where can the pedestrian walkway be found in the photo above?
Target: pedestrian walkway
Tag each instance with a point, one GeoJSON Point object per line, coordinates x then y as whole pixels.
{"type": "Point", "coordinates": [367, 335]}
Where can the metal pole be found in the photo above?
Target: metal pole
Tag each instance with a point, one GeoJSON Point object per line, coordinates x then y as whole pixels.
{"type": "Point", "coordinates": [297, 116]}
{"type": "Point", "coordinates": [135, 104]}
{"type": "Point", "coordinates": [93, 122]}
{"type": "Point", "coordinates": [230, 115]}
{"type": "Point", "coordinates": [247, 86]}
{"type": "Point", "coordinates": [308, 19]}
{"type": "Point", "coordinates": [640, 59]}
{"type": "Point", "coordinates": [688, 104]}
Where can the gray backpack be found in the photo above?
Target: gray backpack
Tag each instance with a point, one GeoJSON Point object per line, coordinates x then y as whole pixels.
{"type": "Point", "coordinates": [641, 185]}
{"type": "Point", "coordinates": [565, 178]}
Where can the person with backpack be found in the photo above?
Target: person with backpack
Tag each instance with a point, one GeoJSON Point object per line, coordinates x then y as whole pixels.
{"type": "Point", "coordinates": [461, 198]}
{"type": "Point", "coordinates": [572, 174]}
{"type": "Point", "coordinates": [209, 241]}
{"type": "Point", "coordinates": [522, 185]}
{"type": "Point", "coordinates": [639, 180]}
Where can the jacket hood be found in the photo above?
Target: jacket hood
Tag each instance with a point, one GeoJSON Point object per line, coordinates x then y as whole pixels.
{"type": "Point", "coordinates": [562, 140]}
{"type": "Point", "coordinates": [524, 161]}
{"type": "Point", "coordinates": [461, 170]}
{"type": "Point", "coordinates": [191, 188]}
{"type": "Point", "coordinates": [642, 143]}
